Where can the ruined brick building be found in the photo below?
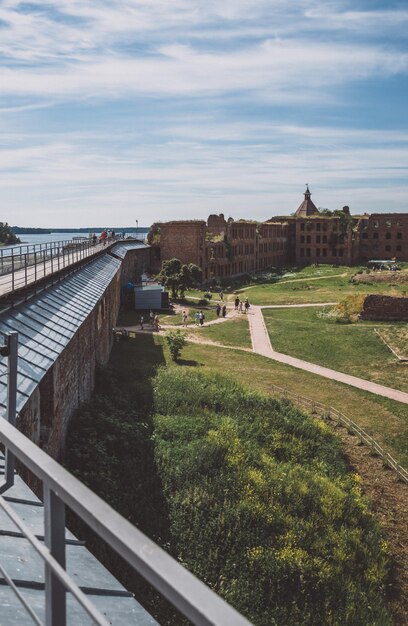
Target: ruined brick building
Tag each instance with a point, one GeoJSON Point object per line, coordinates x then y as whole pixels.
{"type": "Point", "coordinates": [225, 248]}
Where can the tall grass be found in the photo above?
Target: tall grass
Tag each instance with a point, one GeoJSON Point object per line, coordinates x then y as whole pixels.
{"type": "Point", "coordinates": [262, 507]}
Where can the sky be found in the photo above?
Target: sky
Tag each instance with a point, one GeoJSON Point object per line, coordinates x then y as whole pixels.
{"type": "Point", "coordinates": [117, 111]}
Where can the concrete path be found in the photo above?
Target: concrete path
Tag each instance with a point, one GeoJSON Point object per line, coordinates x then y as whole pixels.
{"type": "Point", "coordinates": [261, 344]}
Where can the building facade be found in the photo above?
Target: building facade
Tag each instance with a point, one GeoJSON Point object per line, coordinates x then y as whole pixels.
{"type": "Point", "coordinates": [223, 248]}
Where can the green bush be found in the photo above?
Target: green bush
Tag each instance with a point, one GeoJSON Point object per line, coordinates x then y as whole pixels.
{"type": "Point", "coordinates": [262, 507]}
{"type": "Point", "coordinates": [176, 342]}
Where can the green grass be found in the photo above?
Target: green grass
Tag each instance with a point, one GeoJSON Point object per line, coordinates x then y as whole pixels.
{"type": "Point", "coordinates": [234, 332]}
{"type": "Point", "coordinates": [262, 507]}
{"type": "Point", "coordinates": [351, 348]}
{"type": "Point", "coordinates": [313, 285]}
{"type": "Point", "coordinates": [384, 419]}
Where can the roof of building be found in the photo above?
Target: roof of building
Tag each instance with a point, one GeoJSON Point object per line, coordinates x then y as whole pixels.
{"type": "Point", "coordinates": [307, 207]}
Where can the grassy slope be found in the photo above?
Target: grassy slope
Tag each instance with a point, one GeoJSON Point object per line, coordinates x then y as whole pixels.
{"type": "Point", "coordinates": [385, 420]}
{"type": "Point", "coordinates": [256, 483]}
{"type": "Point", "coordinates": [351, 348]}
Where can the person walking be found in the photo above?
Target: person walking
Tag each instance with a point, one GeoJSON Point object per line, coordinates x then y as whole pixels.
{"type": "Point", "coordinates": [202, 318]}
{"type": "Point", "coordinates": [141, 322]}
{"type": "Point", "coordinates": [156, 322]}
{"type": "Point", "coordinates": [151, 317]}
{"type": "Point", "coordinates": [222, 296]}
{"type": "Point", "coordinates": [184, 317]}
{"type": "Point", "coordinates": [240, 306]}
{"type": "Point", "coordinates": [197, 318]}
{"type": "Point", "coordinates": [237, 303]}
{"type": "Point", "coordinates": [224, 310]}
{"type": "Point", "coordinates": [218, 309]}
{"type": "Point", "coordinates": [247, 305]}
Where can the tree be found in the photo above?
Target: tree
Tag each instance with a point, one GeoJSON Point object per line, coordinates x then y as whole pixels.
{"type": "Point", "coordinates": [178, 277]}
{"type": "Point", "coordinates": [176, 342]}
{"type": "Point", "coordinates": [6, 234]}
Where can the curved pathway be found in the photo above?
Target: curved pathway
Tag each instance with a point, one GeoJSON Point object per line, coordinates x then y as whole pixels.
{"type": "Point", "coordinates": [261, 344]}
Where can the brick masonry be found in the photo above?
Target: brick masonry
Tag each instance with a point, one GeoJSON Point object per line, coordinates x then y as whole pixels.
{"type": "Point", "coordinates": [385, 308]}
{"type": "Point", "coordinates": [223, 248]}
{"type": "Point", "coordinates": [70, 381]}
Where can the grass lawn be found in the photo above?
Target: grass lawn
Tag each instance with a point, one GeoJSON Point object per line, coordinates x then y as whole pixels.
{"type": "Point", "coordinates": [397, 337]}
{"type": "Point", "coordinates": [351, 348]}
{"type": "Point", "coordinates": [385, 420]}
{"type": "Point", "coordinates": [313, 284]}
{"type": "Point", "coordinates": [234, 332]}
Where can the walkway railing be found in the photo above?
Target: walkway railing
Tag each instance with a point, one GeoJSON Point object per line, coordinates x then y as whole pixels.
{"type": "Point", "coordinates": [328, 412]}
{"type": "Point", "coordinates": [24, 266]}
{"type": "Point", "coordinates": [190, 596]}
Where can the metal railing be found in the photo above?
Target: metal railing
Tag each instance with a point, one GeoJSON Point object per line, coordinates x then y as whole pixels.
{"type": "Point", "coordinates": [60, 489]}
{"type": "Point", "coordinates": [25, 267]}
{"type": "Point", "coordinates": [330, 413]}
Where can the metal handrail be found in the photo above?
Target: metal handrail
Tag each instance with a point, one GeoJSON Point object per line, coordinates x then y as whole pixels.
{"type": "Point", "coordinates": [38, 264]}
{"type": "Point", "coordinates": [189, 595]}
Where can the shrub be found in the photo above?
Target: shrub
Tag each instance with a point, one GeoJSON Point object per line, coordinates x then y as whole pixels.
{"type": "Point", "coordinates": [346, 311]}
{"type": "Point", "coordinates": [262, 508]}
{"type": "Point", "coordinates": [176, 342]}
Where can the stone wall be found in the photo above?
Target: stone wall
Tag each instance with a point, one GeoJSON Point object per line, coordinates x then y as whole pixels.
{"type": "Point", "coordinates": [134, 264]}
{"type": "Point", "coordinates": [183, 240]}
{"type": "Point", "coordinates": [71, 379]}
{"type": "Point", "coordinates": [385, 308]}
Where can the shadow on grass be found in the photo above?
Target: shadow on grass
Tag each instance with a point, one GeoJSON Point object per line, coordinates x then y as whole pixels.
{"type": "Point", "coordinates": [110, 446]}
{"type": "Point", "coordinates": [189, 363]}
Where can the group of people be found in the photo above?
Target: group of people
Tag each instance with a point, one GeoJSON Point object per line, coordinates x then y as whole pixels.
{"type": "Point", "coordinates": [221, 310]}
{"type": "Point", "coordinates": [241, 307]}
{"type": "Point", "coordinates": [106, 235]}
{"type": "Point", "coordinates": [153, 321]}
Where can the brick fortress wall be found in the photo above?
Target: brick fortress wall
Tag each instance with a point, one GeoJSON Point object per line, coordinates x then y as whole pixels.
{"type": "Point", "coordinates": [385, 308]}
{"type": "Point", "coordinates": [70, 381]}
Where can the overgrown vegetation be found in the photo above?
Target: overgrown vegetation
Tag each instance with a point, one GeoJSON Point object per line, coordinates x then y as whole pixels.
{"type": "Point", "coordinates": [178, 277]}
{"type": "Point", "coordinates": [262, 508]}
{"type": "Point", "coordinates": [346, 311]}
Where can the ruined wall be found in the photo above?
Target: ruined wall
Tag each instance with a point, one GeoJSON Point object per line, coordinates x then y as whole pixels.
{"type": "Point", "coordinates": [183, 240]}
{"type": "Point", "coordinates": [385, 236]}
{"type": "Point", "coordinates": [385, 308]}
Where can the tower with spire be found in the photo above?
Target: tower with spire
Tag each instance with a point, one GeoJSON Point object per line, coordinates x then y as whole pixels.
{"type": "Point", "coordinates": [307, 207]}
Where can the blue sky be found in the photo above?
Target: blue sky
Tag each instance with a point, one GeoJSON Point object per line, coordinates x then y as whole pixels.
{"type": "Point", "coordinates": [172, 109]}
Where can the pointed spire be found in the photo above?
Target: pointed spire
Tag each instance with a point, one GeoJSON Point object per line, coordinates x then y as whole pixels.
{"type": "Point", "coordinates": [307, 207]}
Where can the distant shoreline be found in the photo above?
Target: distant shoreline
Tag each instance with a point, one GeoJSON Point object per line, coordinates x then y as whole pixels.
{"type": "Point", "coordinates": [20, 230]}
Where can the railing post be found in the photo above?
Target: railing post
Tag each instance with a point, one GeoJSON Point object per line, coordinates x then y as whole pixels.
{"type": "Point", "coordinates": [10, 349]}
{"type": "Point", "coordinates": [54, 537]}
